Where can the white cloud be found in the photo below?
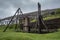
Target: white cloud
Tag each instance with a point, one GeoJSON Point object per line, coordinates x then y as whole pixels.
{"type": "Point", "coordinates": [8, 7]}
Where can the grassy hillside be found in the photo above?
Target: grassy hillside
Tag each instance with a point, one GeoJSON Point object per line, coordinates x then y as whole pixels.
{"type": "Point", "coordinates": [49, 17]}
{"type": "Point", "coordinates": [52, 17]}
{"type": "Point", "coordinates": [11, 35]}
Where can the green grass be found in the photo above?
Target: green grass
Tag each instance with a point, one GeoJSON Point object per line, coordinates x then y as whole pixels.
{"type": "Point", "coordinates": [11, 35]}
{"type": "Point", "coordinates": [29, 36]}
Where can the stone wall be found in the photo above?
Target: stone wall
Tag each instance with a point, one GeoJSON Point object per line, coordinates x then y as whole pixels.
{"type": "Point", "coordinates": [54, 23]}
{"type": "Point", "coordinates": [51, 24]}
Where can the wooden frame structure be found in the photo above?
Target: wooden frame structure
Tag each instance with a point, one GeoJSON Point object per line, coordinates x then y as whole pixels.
{"type": "Point", "coordinates": [24, 22]}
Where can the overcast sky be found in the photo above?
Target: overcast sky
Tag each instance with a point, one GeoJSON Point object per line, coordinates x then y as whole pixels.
{"type": "Point", "coordinates": [8, 7]}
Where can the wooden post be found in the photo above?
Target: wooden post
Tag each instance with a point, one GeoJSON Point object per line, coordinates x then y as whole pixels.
{"type": "Point", "coordinates": [39, 18]}
{"type": "Point", "coordinates": [41, 23]}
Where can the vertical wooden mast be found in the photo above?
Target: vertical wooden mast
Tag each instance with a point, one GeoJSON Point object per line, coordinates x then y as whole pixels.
{"type": "Point", "coordinates": [39, 17]}
{"type": "Point", "coordinates": [41, 23]}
